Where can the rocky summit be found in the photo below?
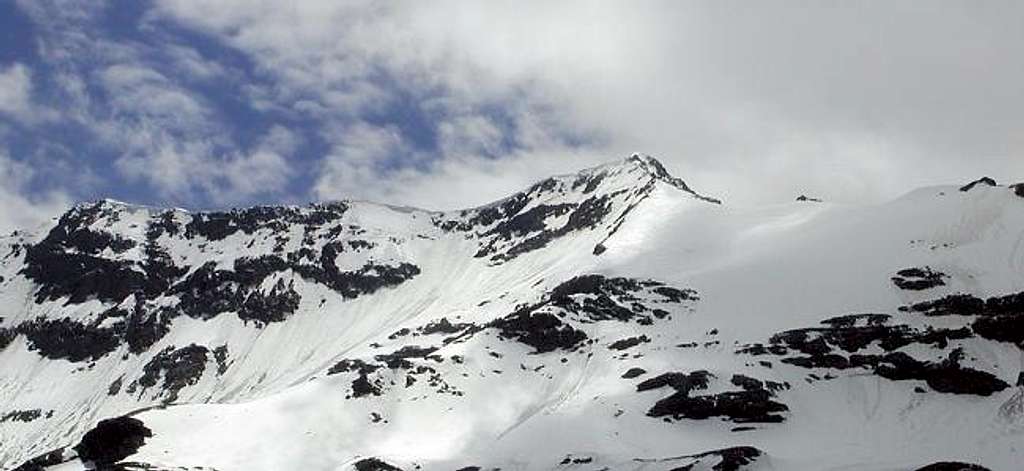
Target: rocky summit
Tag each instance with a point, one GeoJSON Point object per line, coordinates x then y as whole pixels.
{"type": "Point", "coordinates": [613, 319]}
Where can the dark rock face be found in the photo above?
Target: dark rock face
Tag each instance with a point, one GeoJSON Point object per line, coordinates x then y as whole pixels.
{"type": "Point", "coordinates": [655, 167]}
{"type": "Point", "coordinates": [981, 181]}
{"type": "Point", "coordinates": [999, 318]}
{"type": "Point", "coordinates": [633, 373]}
{"type": "Point", "coordinates": [250, 272]}
{"type": "Point", "coordinates": [41, 462]}
{"type": "Point", "coordinates": [735, 458]}
{"type": "Point", "coordinates": [838, 345]}
{"type": "Point", "coordinates": [70, 262]}
{"type": "Point", "coordinates": [543, 331]}
{"type": "Point", "coordinates": [946, 376]}
{"type": "Point", "coordinates": [361, 386]}
{"type": "Point", "coordinates": [374, 464]}
{"type": "Point", "coordinates": [1001, 328]}
{"type": "Point", "coordinates": [76, 342]}
{"type": "Point", "coordinates": [738, 406]}
{"type": "Point", "coordinates": [1018, 189]}
{"type": "Point", "coordinates": [681, 382]}
{"type": "Point", "coordinates": [589, 181]}
{"type": "Point", "coordinates": [69, 340]}
{"type": "Point", "coordinates": [220, 355]}
{"type": "Point", "coordinates": [371, 376]}
{"type": "Point", "coordinates": [546, 325]}
{"type": "Point", "coordinates": [443, 326]}
{"type": "Point", "coordinates": [219, 225]}
{"type": "Point", "coordinates": [630, 342]}
{"type": "Point", "coordinates": [208, 291]}
{"type": "Point", "coordinates": [144, 327]}
{"type": "Point", "coordinates": [527, 222]}
{"type": "Point", "coordinates": [598, 298]}
{"type": "Point", "coordinates": [531, 220]}
{"type": "Point", "coordinates": [6, 337]}
{"type": "Point", "coordinates": [725, 459]}
{"type": "Point", "coordinates": [570, 459]}
{"type": "Point", "coordinates": [112, 440]}
{"type": "Point", "coordinates": [115, 386]}
{"type": "Point", "coordinates": [917, 279]}
{"type": "Point", "coordinates": [79, 276]}
{"type": "Point", "coordinates": [84, 258]}
{"type": "Point", "coordinates": [530, 233]}
{"type": "Point", "coordinates": [180, 368]}
{"type": "Point", "coordinates": [399, 358]}
{"type": "Point", "coordinates": [549, 325]}
{"type": "Point", "coordinates": [952, 466]}
{"type": "Point", "coordinates": [751, 404]}
{"type": "Point", "coordinates": [746, 382]}
{"type": "Point", "coordinates": [487, 216]}
{"type": "Point", "coordinates": [818, 343]}
{"type": "Point", "coordinates": [21, 415]}
{"type": "Point", "coordinates": [967, 305]}
{"type": "Point", "coordinates": [350, 284]}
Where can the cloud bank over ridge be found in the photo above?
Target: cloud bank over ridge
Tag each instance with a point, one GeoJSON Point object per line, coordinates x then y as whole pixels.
{"type": "Point", "coordinates": [448, 104]}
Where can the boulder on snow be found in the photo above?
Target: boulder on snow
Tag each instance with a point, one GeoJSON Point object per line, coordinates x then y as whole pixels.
{"type": "Point", "coordinates": [41, 462]}
{"type": "Point", "coordinates": [728, 459]}
{"type": "Point", "coordinates": [983, 180]}
{"type": "Point", "coordinates": [635, 372]}
{"type": "Point", "coordinates": [808, 198]}
{"type": "Point", "coordinates": [952, 466]}
{"type": "Point", "coordinates": [917, 279]}
{"type": "Point", "coordinates": [112, 440]}
{"type": "Point", "coordinates": [374, 464]}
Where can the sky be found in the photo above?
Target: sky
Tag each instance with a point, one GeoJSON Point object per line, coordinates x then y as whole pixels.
{"type": "Point", "coordinates": [443, 104]}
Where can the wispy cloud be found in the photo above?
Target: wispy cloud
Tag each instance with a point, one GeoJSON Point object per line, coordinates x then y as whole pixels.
{"type": "Point", "coordinates": [21, 211]}
{"type": "Point", "coordinates": [139, 102]}
{"type": "Point", "coordinates": [447, 104]}
{"type": "Point", "coordinates": [16, 97]}
{"type": "Point", "coordinates": [723, 93]}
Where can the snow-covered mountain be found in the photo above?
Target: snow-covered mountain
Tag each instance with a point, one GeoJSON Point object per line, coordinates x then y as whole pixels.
{"type": "Point", "coordinates": [613, 319]}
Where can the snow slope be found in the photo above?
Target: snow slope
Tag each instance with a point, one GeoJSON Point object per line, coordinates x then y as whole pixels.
{"type": "Point", "coordinates": [610, 319]}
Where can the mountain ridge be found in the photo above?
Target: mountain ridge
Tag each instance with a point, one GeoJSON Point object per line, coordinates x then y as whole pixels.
{"type": "Point", "coordinates": [610, 318]}
{"type": "Point", "coordinates": [648, 164]}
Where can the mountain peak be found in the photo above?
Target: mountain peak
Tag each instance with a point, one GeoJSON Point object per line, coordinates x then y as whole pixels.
{"type": "Point", "coordinates": [594, 201]}
{"type": "Point", "coordinates": [652, 168]}
{"type": "Point", "coordinates": [590, 205]}
{"type": "Point", "coordinates": [650, 164]}
{"type": "Point", "coordinates": [612, 300]}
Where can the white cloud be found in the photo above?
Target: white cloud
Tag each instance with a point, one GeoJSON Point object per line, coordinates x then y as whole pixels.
{"type": "Point", "coordinates": [143, 93]}
{"type": "Point", "coordinates": [355, 158]}
{"type": "Point", "coordinates": [171, 166]}
{"type": "Point", "coordinates": [725, 94]}
{"type": "Point", "coordinates": [193, 65]}
{"type": "Point", "coordinates": [147, 116]}
{"type": "Point", "coordinates": [169, 137]}
{"type": "Point", "coordinates": [734, 99]}
{"type": "Point", "coordinates": [18, 210]}
{"type": "Point", "coordinates": [16, 90]}
{"type": "Point", "coordinates": [373, 163]}
{"type": "Point", "coordinates": [469, 135]}
{"type": "Point", "coordinates": [177, 168]}
{"type": "Point", "coordinates": [16, 96]}
{"type": "Point", "coordinates": [265, 170]}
